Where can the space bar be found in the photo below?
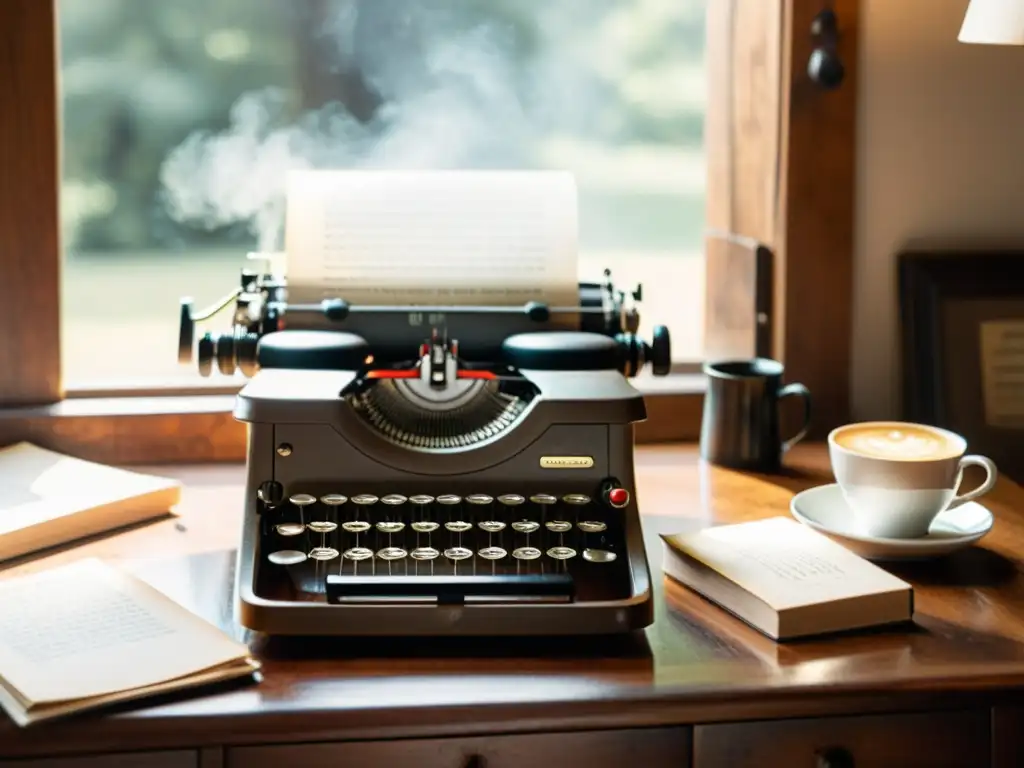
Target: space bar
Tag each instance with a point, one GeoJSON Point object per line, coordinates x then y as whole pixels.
{"type": "Point", "coordinates": [450, 590]}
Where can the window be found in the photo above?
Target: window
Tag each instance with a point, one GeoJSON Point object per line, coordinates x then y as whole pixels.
{"type": "Point", "coordinates": [612, 89]}
{"type": "Point", "coordinates": [180, 120]}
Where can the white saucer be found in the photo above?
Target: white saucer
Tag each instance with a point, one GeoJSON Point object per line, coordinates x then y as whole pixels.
{"type": "Point", "coordinates": [825, 510]}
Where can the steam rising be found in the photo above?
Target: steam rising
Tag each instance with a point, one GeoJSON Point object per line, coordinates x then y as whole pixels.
{"type": "Point", "coordinates": [445, 98]}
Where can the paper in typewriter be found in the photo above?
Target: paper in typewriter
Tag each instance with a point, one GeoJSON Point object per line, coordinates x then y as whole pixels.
{"type": "Point", "coordinates": [447, 238]}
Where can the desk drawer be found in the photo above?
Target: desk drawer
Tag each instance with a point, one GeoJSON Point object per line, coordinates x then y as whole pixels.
{"type": "Point", "coordinates": [177, 759]}
{"type": "Point", "coordinates": [928, 740]}
{"type": "Point", "coordinates": [646, 747]}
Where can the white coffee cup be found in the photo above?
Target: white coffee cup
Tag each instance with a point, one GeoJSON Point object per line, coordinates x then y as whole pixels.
{"type": "Point", "coordinates": [897, 477]}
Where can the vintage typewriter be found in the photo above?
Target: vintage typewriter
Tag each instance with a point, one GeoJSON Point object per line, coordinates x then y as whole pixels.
{"type": "Point", "coordinates": [436, 470]}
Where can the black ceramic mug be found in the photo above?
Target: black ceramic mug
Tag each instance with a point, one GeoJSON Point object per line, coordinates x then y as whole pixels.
{"type": "Point", "coordinates": [740, 425]}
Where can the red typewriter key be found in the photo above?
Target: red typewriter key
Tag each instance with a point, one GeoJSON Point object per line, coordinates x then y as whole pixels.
{"type": "Point", "coordinates": [618, 497]}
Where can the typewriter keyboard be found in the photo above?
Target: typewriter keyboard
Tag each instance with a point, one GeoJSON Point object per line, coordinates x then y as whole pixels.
{"type": "Point", "coordinates": [309, 536]}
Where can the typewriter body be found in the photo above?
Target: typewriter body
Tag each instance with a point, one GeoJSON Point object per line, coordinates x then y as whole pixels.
{"type": "Point", "coordinates": [436, 470]}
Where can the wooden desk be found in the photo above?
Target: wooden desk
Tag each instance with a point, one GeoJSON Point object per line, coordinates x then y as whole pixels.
{"type": "Point", "coordinates": [697, 688]}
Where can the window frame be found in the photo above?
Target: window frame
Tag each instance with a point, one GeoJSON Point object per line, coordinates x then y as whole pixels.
{"type": "Point", "coordinates": [780, 177]}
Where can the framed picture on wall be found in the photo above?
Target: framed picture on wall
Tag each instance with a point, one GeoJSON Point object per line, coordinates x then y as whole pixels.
{"type": "Point", "coordinates": [962, 357]}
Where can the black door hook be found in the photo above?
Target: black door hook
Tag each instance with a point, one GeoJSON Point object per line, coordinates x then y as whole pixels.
{"type": "Point", "coordinates": [825, 67]}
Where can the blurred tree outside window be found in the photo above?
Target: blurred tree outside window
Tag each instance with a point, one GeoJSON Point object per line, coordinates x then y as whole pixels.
{"type": "Point", "coordinates": [180, 120]}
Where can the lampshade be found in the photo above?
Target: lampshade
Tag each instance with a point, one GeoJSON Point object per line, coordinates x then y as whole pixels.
{"type": "Point", "coordinates": [994, 22]}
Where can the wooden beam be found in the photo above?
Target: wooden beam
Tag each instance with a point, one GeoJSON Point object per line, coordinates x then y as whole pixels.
{"type": "Point", "coordinates": [781, 176]}
{"type": "Point", "coordinates": [742, 141]}
{"type": "Point", "coordinates": [814, 279]}
{"type": "Point", "coordinates": [741, 122]}
{"type": "Point", "coordinates": [29, 211]}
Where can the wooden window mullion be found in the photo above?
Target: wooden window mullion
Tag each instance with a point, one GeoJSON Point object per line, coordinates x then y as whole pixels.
{"type": "Point", "coordinates": [780, 195]}
{"type": "Point", "coordinates": [29, 205]}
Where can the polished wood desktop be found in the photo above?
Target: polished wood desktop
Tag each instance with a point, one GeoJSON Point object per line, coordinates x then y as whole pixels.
{"type": "Point", "coordinates": [697, 688]}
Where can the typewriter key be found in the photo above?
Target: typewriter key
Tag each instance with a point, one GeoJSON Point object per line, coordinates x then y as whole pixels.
{"type": "Point", "coordinates": [323, 553]}
{"type": "Point", "coordinates": [424, 553]}
{"type": "Point", "coordinates": [356, 526]}
{"type": "Point", "coordinates": [543, 498]}
{"type": "Point", "coordinates": [333, 499]}
{"type": "Point", "coordinates": [526, 553]}
{"type": "Point", "coordinates": [562, 553]}
{"type": "Point", "coordinates": [592, 526]}
{"type": "Point", "coordinates": [458, 553]}
{"type": "Point", "coordinates": [322, 526]}
{"type": "Point", "coordinates": [448, 499]}
{"type": "Point", "coordinates": [393, 500]}
{"type": "Point", "coordinates": [492, 553]}
{"type": "Point", "coordinates": [358, 553]}
{"type": "Point", "coordinates": [425, 526]}
{"type": "Point", "coordinates": [385, 526]}
{"type": "Point", "coordinates": [511, 499]}
{"type": "Point", "coordinates": [392, 553]}
{"type": "Point", "coordinates": [286, 557]}
{"type": "Point", "coordinates": [492, 526]}
{"type": "Point", "coordinates": [458, 526]}
{"type": "Point", "coordinates": [479, 498]}
{"type": "Point", "coordinates": [525, 526]}
{"type": "Point", "coordinates": [421, 499]}
{"type": "Point", "coordinates": [290, 529]}
{"type": "Point", "coordinates": [598, 555]}
{"type": "Point", "coordinates": [302, 499]}
{"type": "Point", "coordinates": [576, 499]}
{"type": "Point", "coordinates": [558, 526]}
{"type": "Point", "coordinates": [364, 499]}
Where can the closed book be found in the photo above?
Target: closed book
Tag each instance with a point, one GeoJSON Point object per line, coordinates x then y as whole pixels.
{"type": "Point", "coordinates": [785, 579]}
{"type": "Point", "coordinates": [48, 499]}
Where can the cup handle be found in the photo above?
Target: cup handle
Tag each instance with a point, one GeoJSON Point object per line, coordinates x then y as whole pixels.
{"type": "Point", "coordinates": [797, 390]}
{"type": "Point", "coordinates": [990, 480]}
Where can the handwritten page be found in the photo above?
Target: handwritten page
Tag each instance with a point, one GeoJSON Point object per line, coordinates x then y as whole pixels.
{"type": "Point", "coordinates": [421, 238]}
{"type": "Point", "coordinates": [88, 629]}
{"type": "Point", "coordinates": [1002, 367]}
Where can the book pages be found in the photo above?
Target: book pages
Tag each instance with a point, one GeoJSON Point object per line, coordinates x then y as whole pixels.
{"type": "Point", "coordinates": [88, 630]}
{"type": "Point", "coordinates": [784, 563]}
{"type": "Point", "coordinates": [48, 499]}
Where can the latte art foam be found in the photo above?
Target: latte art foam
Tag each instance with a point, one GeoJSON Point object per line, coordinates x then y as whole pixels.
{"type": "Point", "coordinates": [908, 444]}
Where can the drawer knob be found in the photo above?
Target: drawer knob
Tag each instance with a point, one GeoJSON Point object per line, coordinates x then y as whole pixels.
{"type": "Point", "coordinates": [475, 761]}
{"type": "Point", "coordinates": [834, 757]}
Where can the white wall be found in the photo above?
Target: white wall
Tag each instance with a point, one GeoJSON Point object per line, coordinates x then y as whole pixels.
{"type": "Point", "coordinates": [940, 158]}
